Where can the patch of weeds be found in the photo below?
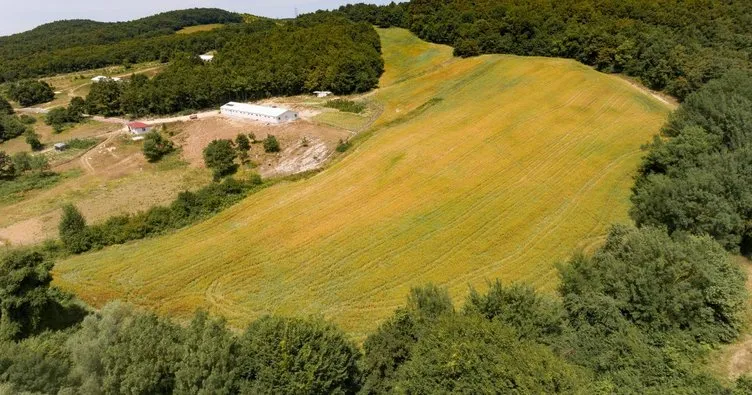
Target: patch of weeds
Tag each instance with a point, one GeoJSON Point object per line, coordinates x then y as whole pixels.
{"type": "Point", "coordinates": [346, 105]}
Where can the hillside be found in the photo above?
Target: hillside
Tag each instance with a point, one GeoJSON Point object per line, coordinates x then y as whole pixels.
{"type": "Point", "coordinates": [495, 166]}
{"type": "Point", "coordinates": [75, 33]}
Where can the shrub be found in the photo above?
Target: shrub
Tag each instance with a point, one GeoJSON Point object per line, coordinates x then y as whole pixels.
{"type": "Point", "coordinates": [81, 143]}
{"type": "Point", "coordinates": [27, 119]}
{"type": "Point", "coordinates": [155, 146]}
{"type": "Point", "coordinates": [5, 107]}
{"type": "Point", "coordinates": [343, 146]}
{"type": "Point", "coordinates": [346, 105]}
{"type": "Point", "coordinates": [271, 144]}
{"type": "Point", "coordinates": [73, 231]}
{"type": "Point", "coordinates": [33, 140]}
{"type": "Point", "coordinates": [219, 156]}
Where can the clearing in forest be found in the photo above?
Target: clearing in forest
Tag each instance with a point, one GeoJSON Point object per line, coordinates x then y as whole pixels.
{"type": "Point", "coordinates": [482, 168]}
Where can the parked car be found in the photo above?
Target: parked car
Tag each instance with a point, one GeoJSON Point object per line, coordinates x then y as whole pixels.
{"type": "Point", "coordinates": [193, 116]}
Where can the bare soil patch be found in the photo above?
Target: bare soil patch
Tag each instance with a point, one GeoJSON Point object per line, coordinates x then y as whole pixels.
{"type": "Point", "coordinates": [305, 145]}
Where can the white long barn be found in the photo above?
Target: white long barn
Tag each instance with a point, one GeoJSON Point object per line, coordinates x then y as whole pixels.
{"type": "Point", "coordinates": [258, 113]}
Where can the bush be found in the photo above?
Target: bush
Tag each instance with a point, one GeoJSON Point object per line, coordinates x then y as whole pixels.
{"type": "Point", "coordinates": [271, 144]}
{"type": "Point", "coordinates": [5, 107]}
{"type": "Point", "coordinates": [346, 105]}
{"type": "Point", "coordinates": [73, 231]}
{"type": "Point", "coordinates": [219, 156]}
{"type": "Point", "coordinates": [156, 146]}
{"type": "Point", "coordinates": [27, 119]}
{"type": "Point", "coordinates": [343, 146]}
{"type": "Point", "coordinates": [81, 143]}
{"type": "Point", "coordinates": [33, 140]}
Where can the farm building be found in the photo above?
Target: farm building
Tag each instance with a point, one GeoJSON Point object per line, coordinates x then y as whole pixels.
{"type": "Point", "coordinates": [101, 78]}
{"type": "Point", "coordinates": [139, 128]}
{"type": "Point", "coordinates": [258, 113]}
{"type": "Point", "coordinates": [206, 58]}
{"type": "Point", "coordinates": [322, 93]}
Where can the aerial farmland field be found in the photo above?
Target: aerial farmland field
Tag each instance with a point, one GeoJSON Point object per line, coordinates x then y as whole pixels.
{"type": "Point", "coordinates": [491, 167]}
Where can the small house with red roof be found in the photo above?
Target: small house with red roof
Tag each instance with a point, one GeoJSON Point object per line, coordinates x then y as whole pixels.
{"type": "Point", "coordinates": [139, 128]}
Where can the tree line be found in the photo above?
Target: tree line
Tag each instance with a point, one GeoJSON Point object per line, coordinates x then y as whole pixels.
{"type": "Point", "coordinates": [74, 45]}
{"type": "Point", "coordinates": [638, 316]}
{"type": "Point", "coordinates": [697, 176]}
{"type": "Point", "coordinates": [672, 46]}
{"type": "Point", "coordinates": [334, 54]}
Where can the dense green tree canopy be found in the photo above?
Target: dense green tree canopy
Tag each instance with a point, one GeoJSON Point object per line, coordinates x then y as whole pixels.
{"type": "Point", "coordinates": [671, 45]}
{"type": "Point", "coordinates": [220, 156]}
{"type": "Point", "coordinates": [334, 55]}
{"type": "Point", "coordinates": [297, 356]}
{"type": "Point", "coordinates": [662, 284]}
{"type": "Point", "coordinates": [30, 92]}
{"type": "Point", "coordinates": [74, 45]}
{"type": "Point", "coordinates": [699, 180]}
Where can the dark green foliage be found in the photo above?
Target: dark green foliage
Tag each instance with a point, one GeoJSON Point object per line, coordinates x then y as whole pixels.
{"type": "Point", "coordinates": [219, 156]}
{"type": "Point", "coordinates": [5, 107]}
{"type": "Point", "coordinates": [661, 284]}
{"type": "Point", "coordinates": [28, 305]}
{"type": "Point", "coordinates": [105, 98]}
{"type": "Point", "coordinates": [33, 140]}
{"type": "Point", "coordinates": [346, 105]}
{"type": "Point", "coordinates": [242, 142]}
{"type": "Point", "coordinates": [670, 45]}
{"type": "Point", "coordinates": [25, 163]}
{"type": "Point", "coordinates": [297, 356]}
{"type": "Point", "coordinates": [156, 146]}
{"type": "Point", "coordinates": [263, 61]}
{"type": "Point", "coordinates": [81, 143]}
{"type": "Point", "coordinates": [209, 359]}
{"type": "Point", "coordinates": [188, 208]}
{"type": "Point", "coordinates": [61, 117]}
{"type": "Point", "coordinates": [11, 127]}
{"type": "Point", "coordinates": [700, 180]}
{"type": "Point", "coordinates": [27, 119]}
{"type": "Point", "coordinates": [343, 146]}
{"type": "Point", "coordinates": [73, 231]}
{"type": "Point", "coordinates": [271, 144]}
{"type": "Point", "coordinates": [7, 168]}
{"type": "Point", "coordinates": [30, 92]}
{"type": "Point", "coordinates": [469, 354]}
{"type": "Point", "coordinates": [392, 15]}
{"type": "Point", "coordinates": [392, 343]}
{"type": "Point", "coordinates": [532, 316]}
{"type": "Point", "coordinates": [121, 351]}
{"type": "Point", "coordinates": [74, 45]}
{"type": "Point", "coordinates": [37, 364]}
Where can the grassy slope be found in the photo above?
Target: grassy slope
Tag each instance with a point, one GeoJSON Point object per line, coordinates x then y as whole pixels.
{"type": "Point", "coordinates": [199, 28]}
{"type": "Point", "coordinates": [496, 166]}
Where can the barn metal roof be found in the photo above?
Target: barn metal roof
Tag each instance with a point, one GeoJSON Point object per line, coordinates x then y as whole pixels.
{"type": "Point", "coordinates": [256, 109]}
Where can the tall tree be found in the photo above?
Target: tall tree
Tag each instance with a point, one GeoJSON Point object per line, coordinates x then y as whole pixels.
{"type": "Point", "coordinates": [73, 230]}
{"type": "Point", "coordinates": [220, 156]}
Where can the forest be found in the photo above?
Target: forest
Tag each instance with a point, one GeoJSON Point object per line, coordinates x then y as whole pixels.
{"type": "Point", "coordinates": [672, 46]}
{"type": "Point", "coordinates": [332, 54]}
{"type": "Point", "coordinates": [68, 46]}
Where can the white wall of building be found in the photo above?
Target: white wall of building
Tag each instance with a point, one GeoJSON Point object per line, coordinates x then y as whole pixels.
{"type": "Point", "coordinates": [258, 113]}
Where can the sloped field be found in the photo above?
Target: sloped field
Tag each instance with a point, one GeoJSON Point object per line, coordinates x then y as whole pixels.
{"type": "Point", "coordinates": [497, 166]}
